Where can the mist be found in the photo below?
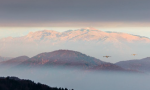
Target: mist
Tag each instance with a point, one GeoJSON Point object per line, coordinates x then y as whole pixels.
{"type": "Point", "coordinates": [82, 79]}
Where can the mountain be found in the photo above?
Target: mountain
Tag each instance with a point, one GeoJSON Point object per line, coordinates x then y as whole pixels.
{"type": "Point", "coordinates": [14, 61]}
{"type": "Point", "coordinates": [14, 83]}
{"type": "Point", "coordinates": [90, 41]}
{"type": "Point", "coordinates": [69, 58]}
{"type": "Point", "coordinates": [84, 34]}
{"type": "Point", "coordinates": [137, 64]}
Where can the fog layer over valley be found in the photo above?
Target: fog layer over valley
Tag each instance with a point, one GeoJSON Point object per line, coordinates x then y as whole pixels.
{"type": "Point", "coordinates": [72, 69]}
{"type": "Point", "coordinates": [83, 80]}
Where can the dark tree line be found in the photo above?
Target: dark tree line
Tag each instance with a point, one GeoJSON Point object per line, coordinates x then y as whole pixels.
{"type": "Point", "coordinates": [13, 83]}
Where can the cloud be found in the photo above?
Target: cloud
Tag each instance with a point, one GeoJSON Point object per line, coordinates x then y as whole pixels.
{"type": "Point", "coordinates": [45, 12]}
{"type": "Point", "coordinates": [75, 24]}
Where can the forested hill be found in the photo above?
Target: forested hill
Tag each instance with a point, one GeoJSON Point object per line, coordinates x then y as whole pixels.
{"type": "Point", "coordinates": [14, 83]}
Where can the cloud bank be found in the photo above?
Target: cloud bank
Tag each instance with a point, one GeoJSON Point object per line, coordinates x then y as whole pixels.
{"type": "Point", "coordinates": [74, 12]}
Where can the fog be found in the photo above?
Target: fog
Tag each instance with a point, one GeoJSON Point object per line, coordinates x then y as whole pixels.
{"type": "Point", "coordinates": [82, 79]}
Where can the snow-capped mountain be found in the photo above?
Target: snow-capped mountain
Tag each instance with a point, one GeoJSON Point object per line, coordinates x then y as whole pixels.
{"type": "Point", "coordinates": [90, 41]}
{"type": "Point", "coordinates": [85, 34]}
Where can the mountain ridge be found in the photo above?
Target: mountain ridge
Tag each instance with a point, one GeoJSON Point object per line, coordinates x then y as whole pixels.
{"type": "Point", "coordinates": [136, 64]}
{"type": "Point", "coordinates": [4, 58]}
{"type": "Point", "coordinates": [14, 61]}
{"type": "Point", "coordinates": [69, 58]}
{"type": "Point", "coordinates": [92, 33]}
{"type": "Point", "coordinates": [15, 83]}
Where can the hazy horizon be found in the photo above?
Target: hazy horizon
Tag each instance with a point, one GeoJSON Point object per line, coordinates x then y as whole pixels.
{"type": "Point", "coordinates": [93, 45]}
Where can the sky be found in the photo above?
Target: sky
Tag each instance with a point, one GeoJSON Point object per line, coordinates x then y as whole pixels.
{"type": "Point", "coordinates": [19, 17]}
{"type": "Point", "coordinates": [67, 13]}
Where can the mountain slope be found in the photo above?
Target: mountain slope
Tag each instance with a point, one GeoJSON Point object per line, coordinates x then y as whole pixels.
{"type": "Point", "coordinates": [14, 83]}
{"type": "Point", "coordinates": [13, 61]}
{"type": "Point", "coordinates": [139, 64]}
{"type": "Point", "coordinates": [68, 58]}
{"type": "Point", "coordinates": [85, 34]}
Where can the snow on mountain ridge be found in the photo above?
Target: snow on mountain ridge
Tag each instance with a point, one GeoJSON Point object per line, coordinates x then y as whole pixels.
{"type": "Point", "coordinates": [40, 35]}
{"type": "Point", "coordinates": [84, 34]}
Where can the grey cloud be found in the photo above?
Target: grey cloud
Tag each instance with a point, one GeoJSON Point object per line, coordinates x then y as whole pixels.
{"type": "Point", "coordinates": [43, 11]}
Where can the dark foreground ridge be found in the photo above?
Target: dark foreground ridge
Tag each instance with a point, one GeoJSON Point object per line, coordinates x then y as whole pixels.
{"type": "Point", "coordinates": [14, 83]}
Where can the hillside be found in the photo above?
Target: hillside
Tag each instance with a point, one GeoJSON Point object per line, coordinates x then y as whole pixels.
{"type": "Point", "coordinates": [14, 83]}
{"type": "Point", "coordinates": [68, 58]}
{"type": "Point", "coordinates": [138, 64]}
{"type": "Point", "coordinates": [14, 61]}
